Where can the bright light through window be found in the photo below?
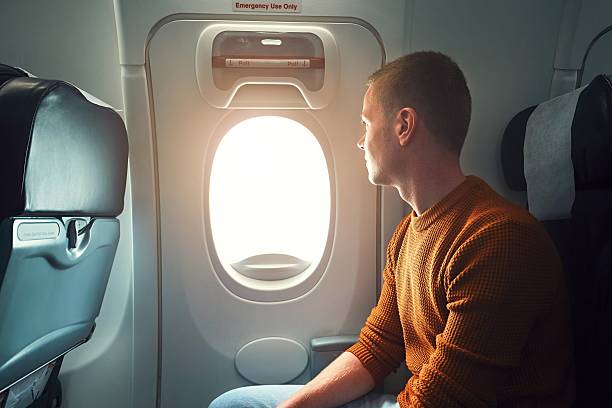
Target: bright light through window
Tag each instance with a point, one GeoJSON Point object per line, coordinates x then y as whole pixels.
{"type": "Point", "coordinates": [269, 194]}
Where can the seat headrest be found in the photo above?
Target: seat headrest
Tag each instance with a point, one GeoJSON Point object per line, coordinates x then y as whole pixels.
{"type": "Point", "coordinates": [591, 140]}
{"type": "Point", "coordinates": [60, 154]}
{"type": "Point", "coordinates": [7, 72]}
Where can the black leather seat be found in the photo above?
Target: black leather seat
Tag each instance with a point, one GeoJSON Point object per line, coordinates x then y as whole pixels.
{"type": "Point", "coordinates": [584, 237]}
{"type": "Point", "coordinates": [63, 165]}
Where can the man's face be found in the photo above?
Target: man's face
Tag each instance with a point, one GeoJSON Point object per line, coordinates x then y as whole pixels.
{"type": "Point", "coordinates": [377, 141]}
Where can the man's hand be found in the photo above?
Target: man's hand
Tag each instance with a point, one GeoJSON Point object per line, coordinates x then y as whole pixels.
{"type": "Point", "coordinates": [344, 380]}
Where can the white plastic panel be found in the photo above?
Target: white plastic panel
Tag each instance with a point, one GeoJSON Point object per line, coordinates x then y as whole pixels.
{"type": "Point", "coordinates": [222, 98]}
{"type": "Point", "coordinates": [272, 360]}
{"type": "Point", "coordinates": [105, 361]}
{"type": "Point", "coordinates": [203, 321]}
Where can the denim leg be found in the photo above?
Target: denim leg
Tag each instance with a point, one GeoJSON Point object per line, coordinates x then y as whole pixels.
{"type": "Point", "coordinates": [256, 396]}
{"type": "Point", "coordinates": [269, 396]}
{"type": "Point", "coordinates": [374, 400]}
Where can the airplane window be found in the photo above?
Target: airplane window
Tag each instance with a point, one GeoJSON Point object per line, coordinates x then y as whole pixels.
{"type": "Point", "coordinates": [269, 198]}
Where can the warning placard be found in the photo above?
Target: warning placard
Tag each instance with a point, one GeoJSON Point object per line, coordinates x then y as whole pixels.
{"type": "Point", "coordinates": [270, 6]}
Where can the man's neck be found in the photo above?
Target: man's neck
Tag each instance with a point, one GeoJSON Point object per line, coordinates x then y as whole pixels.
{"type": "Point", "coordinates": [424, 189]}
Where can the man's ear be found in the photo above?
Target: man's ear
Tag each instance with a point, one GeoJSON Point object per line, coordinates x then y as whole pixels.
{"type": "Point", "coordinates": [406, 125]}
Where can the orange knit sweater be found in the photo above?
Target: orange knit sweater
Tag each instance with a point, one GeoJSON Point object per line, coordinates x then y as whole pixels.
{"type": "Point", "coordinates": [475, 302]}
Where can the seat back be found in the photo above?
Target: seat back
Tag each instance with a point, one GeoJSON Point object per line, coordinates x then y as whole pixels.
{"type": "Point", "coordinates": [63, 165]}
{"type": "Point", "coordinates": [583, 233]}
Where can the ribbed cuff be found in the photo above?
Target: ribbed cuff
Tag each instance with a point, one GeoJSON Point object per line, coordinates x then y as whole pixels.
{"type": "Point", "coordinates": [377, 370]}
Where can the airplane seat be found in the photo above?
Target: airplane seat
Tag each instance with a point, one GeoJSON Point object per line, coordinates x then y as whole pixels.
{"type": "Point", "coordinates": [560, 153]}
{"type": "Point", "coordinates": [63, 166]}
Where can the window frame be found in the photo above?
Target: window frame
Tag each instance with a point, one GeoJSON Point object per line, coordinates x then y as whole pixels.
{"type": "Point", "coordinates": [240, 285]}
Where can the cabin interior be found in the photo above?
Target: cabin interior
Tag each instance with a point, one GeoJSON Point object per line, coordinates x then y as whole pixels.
{"type": "Point", "coordinates": [249, 244]}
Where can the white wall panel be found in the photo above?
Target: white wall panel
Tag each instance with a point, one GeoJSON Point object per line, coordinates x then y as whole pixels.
{"type": "Point", "coordinates": [72, 40]}
{"type": "Point", "coordinates": [506, 51]}
{"type": "Point", "coordinates": [595, 15]}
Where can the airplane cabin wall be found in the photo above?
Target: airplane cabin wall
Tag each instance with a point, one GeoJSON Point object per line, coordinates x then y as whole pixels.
{"type": "Point", "coordinates": [506, 49]}
{"type": "Point", "coordinates": [593, 17]}
{"type": "Point", "coordinates": [70, 40]}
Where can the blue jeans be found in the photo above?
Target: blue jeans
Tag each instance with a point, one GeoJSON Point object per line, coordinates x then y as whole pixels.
{"type": "Point", "coordinates": [269, 396]}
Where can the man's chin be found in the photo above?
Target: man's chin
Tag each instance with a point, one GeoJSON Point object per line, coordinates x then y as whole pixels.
{"type": "Point", "coordinates": [376, 180]}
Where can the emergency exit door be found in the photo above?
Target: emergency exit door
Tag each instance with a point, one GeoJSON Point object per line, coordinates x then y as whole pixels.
{"type": "Point", "coordinates": [268, 221]}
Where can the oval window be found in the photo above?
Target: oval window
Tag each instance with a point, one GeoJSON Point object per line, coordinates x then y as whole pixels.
{"type": "Point", "coordinates": [269, 198]}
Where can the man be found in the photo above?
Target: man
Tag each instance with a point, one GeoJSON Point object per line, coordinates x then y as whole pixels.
{"type": "Point", "coordinates": [474, 299]}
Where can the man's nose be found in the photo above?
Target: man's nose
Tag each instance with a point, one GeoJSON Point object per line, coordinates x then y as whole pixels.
{"type": "Point", "coordinates": [360, 142]}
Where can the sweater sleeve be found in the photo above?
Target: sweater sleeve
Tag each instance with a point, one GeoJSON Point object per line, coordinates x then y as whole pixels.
{"type": "Point", "coordinates": [497, 284]}
{"type": "Point", "coordinates": [381, 346]}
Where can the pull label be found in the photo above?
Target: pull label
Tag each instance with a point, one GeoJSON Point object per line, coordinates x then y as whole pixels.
{"type": "Point", "coordinates": [270, 6]}
{"type": "Point", "coordinates": [266, 63]}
